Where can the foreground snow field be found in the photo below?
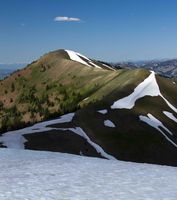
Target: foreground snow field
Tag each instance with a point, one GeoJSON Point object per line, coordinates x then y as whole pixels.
{"type": "Point", "coordinates": [31, 175]}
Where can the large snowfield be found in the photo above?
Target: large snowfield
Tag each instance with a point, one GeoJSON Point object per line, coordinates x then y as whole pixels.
{"type": "Point", "coordinates": [34, 175]}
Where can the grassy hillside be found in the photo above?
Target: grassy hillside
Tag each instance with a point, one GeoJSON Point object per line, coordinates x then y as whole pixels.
{"type": "Point", "coordinates": [50, 86]}
{"type": "Point", "coordinates": [55, 85]}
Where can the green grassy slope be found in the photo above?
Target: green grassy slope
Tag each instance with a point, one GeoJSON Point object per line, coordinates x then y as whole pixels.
{"type": "Point", "coordinates": [50, 86]}
{"type": "Point", "coordinates": [54, 85]}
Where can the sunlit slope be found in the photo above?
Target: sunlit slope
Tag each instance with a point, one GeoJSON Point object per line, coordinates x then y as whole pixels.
{"type": "Point", "coordinates": [52, 85]}
{"type": "Point", "coordinates": [145, 121]}
{"type": "Point", "coordinates": [130, 114]}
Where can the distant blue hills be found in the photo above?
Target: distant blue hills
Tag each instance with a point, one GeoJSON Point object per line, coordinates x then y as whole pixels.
{"type": "Point", "coordinates": [6, 69]}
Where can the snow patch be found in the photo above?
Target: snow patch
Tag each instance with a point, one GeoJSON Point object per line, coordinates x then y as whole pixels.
{"type": "Point", "coordinates": [80, 132]}
{"type": "Point", "coordinates": [170, 115]}
{"type": "Point", "coordinates": [90, 62]}
{"type": "Point", "coordinates": [76, 57]}
{"type": "Point", "coordinates": [105, 111]}
{"type": "Point", "coordinates": [15, 139]}
{"type": "Point", "coordinates": [169, 104]}
{"type": "Point", "coordinates": [155, 123]}
{"type": "Point", "coordinates": [148, 87]}
{"type": "Point", "coordinates": [109, 123]}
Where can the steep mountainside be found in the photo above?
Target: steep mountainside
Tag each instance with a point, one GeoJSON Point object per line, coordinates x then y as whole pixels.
{"type": "Point", "coordinates": [125, 114]}
{"type": "Point", "coordinates": [54, 84]}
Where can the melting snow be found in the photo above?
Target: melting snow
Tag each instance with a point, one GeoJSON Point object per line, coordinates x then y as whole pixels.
{"type": "Point", "coordinates": [170, 115]}
{"type": "Point", "coordinates": [78, 57]}
{"type": "Point", "coordinates": [90, 62]}
{"type": "Point", "coordinates": [15, 139]}
{"type": "Point", "coordinates": [38, 175]}
{"type": "Point", "coordinates": [154, 122]}
{"type": "Point", "coordinates": [103, 111]}
{"type": "Point", "coordinates": [80, 132]}
{"type": "Point", "coordinates": [169, 104]}
{"type": "Point", "coordinates": [148, 87]}
{"type": "Point", "coordinates": [109, 123]}
{"type": "Point", "coordinates": [94, 65]}
{"type": "Point", "coordinates": [82, 56]}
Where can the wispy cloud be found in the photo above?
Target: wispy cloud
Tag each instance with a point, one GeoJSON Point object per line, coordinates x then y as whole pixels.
{"type": "Point", "coordinates": [66, 19]}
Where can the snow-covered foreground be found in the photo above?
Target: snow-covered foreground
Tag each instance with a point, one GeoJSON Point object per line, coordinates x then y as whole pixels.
{"type": "Point", "coordinates": [38, 175]}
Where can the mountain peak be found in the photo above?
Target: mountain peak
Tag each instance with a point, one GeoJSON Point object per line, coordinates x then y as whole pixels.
{"type": "Point", "coordinates": [79, 58]}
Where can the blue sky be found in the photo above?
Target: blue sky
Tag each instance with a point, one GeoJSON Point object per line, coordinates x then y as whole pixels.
{"type": "Point", "coordinates": [110, 30]}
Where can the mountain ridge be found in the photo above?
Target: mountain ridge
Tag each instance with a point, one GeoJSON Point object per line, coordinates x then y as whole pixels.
{"type": "Point", "coordinates": [56, 85]}
{"type": "Point", "coordinates": [166, 67]}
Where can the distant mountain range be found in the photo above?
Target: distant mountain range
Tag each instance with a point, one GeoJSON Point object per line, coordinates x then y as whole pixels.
{"type": "Point", "coordinates": [7, 69]}
{"type": "Point", "coordinates": [94, 110]}
{"type": "Point", "coordinates": [12, 65]}
{"type": "Point", "coordinates": [5, 72]}
{"type": "Point", "coordinates": [166, 68]}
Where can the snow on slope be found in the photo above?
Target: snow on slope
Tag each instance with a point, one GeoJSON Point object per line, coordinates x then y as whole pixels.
{"type": "Point", "coordinates": [74, 56]}
{"type": "Point", "coordinates": [15, 139]}
{"type": "Point", "coordinates": [104, 111]}
{"type": "Point", "coordinates": [155, 123]}
{"type": "Point", "coordinates": [148, 87]}
{"type": "Point", "coordinates": [78, 58]}
{"type": "Point", "coordinates": [37, 175]}
{"type": "Point", "coordinates": [170, 115]}
{"type": "Point", "coordinates": [109, 123]}
{"type": "Point", "coordinates": [80, 132]}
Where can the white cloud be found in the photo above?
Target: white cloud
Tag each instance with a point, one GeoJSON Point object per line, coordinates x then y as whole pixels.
{"type": "Point", "coordinates": [66, 19]}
